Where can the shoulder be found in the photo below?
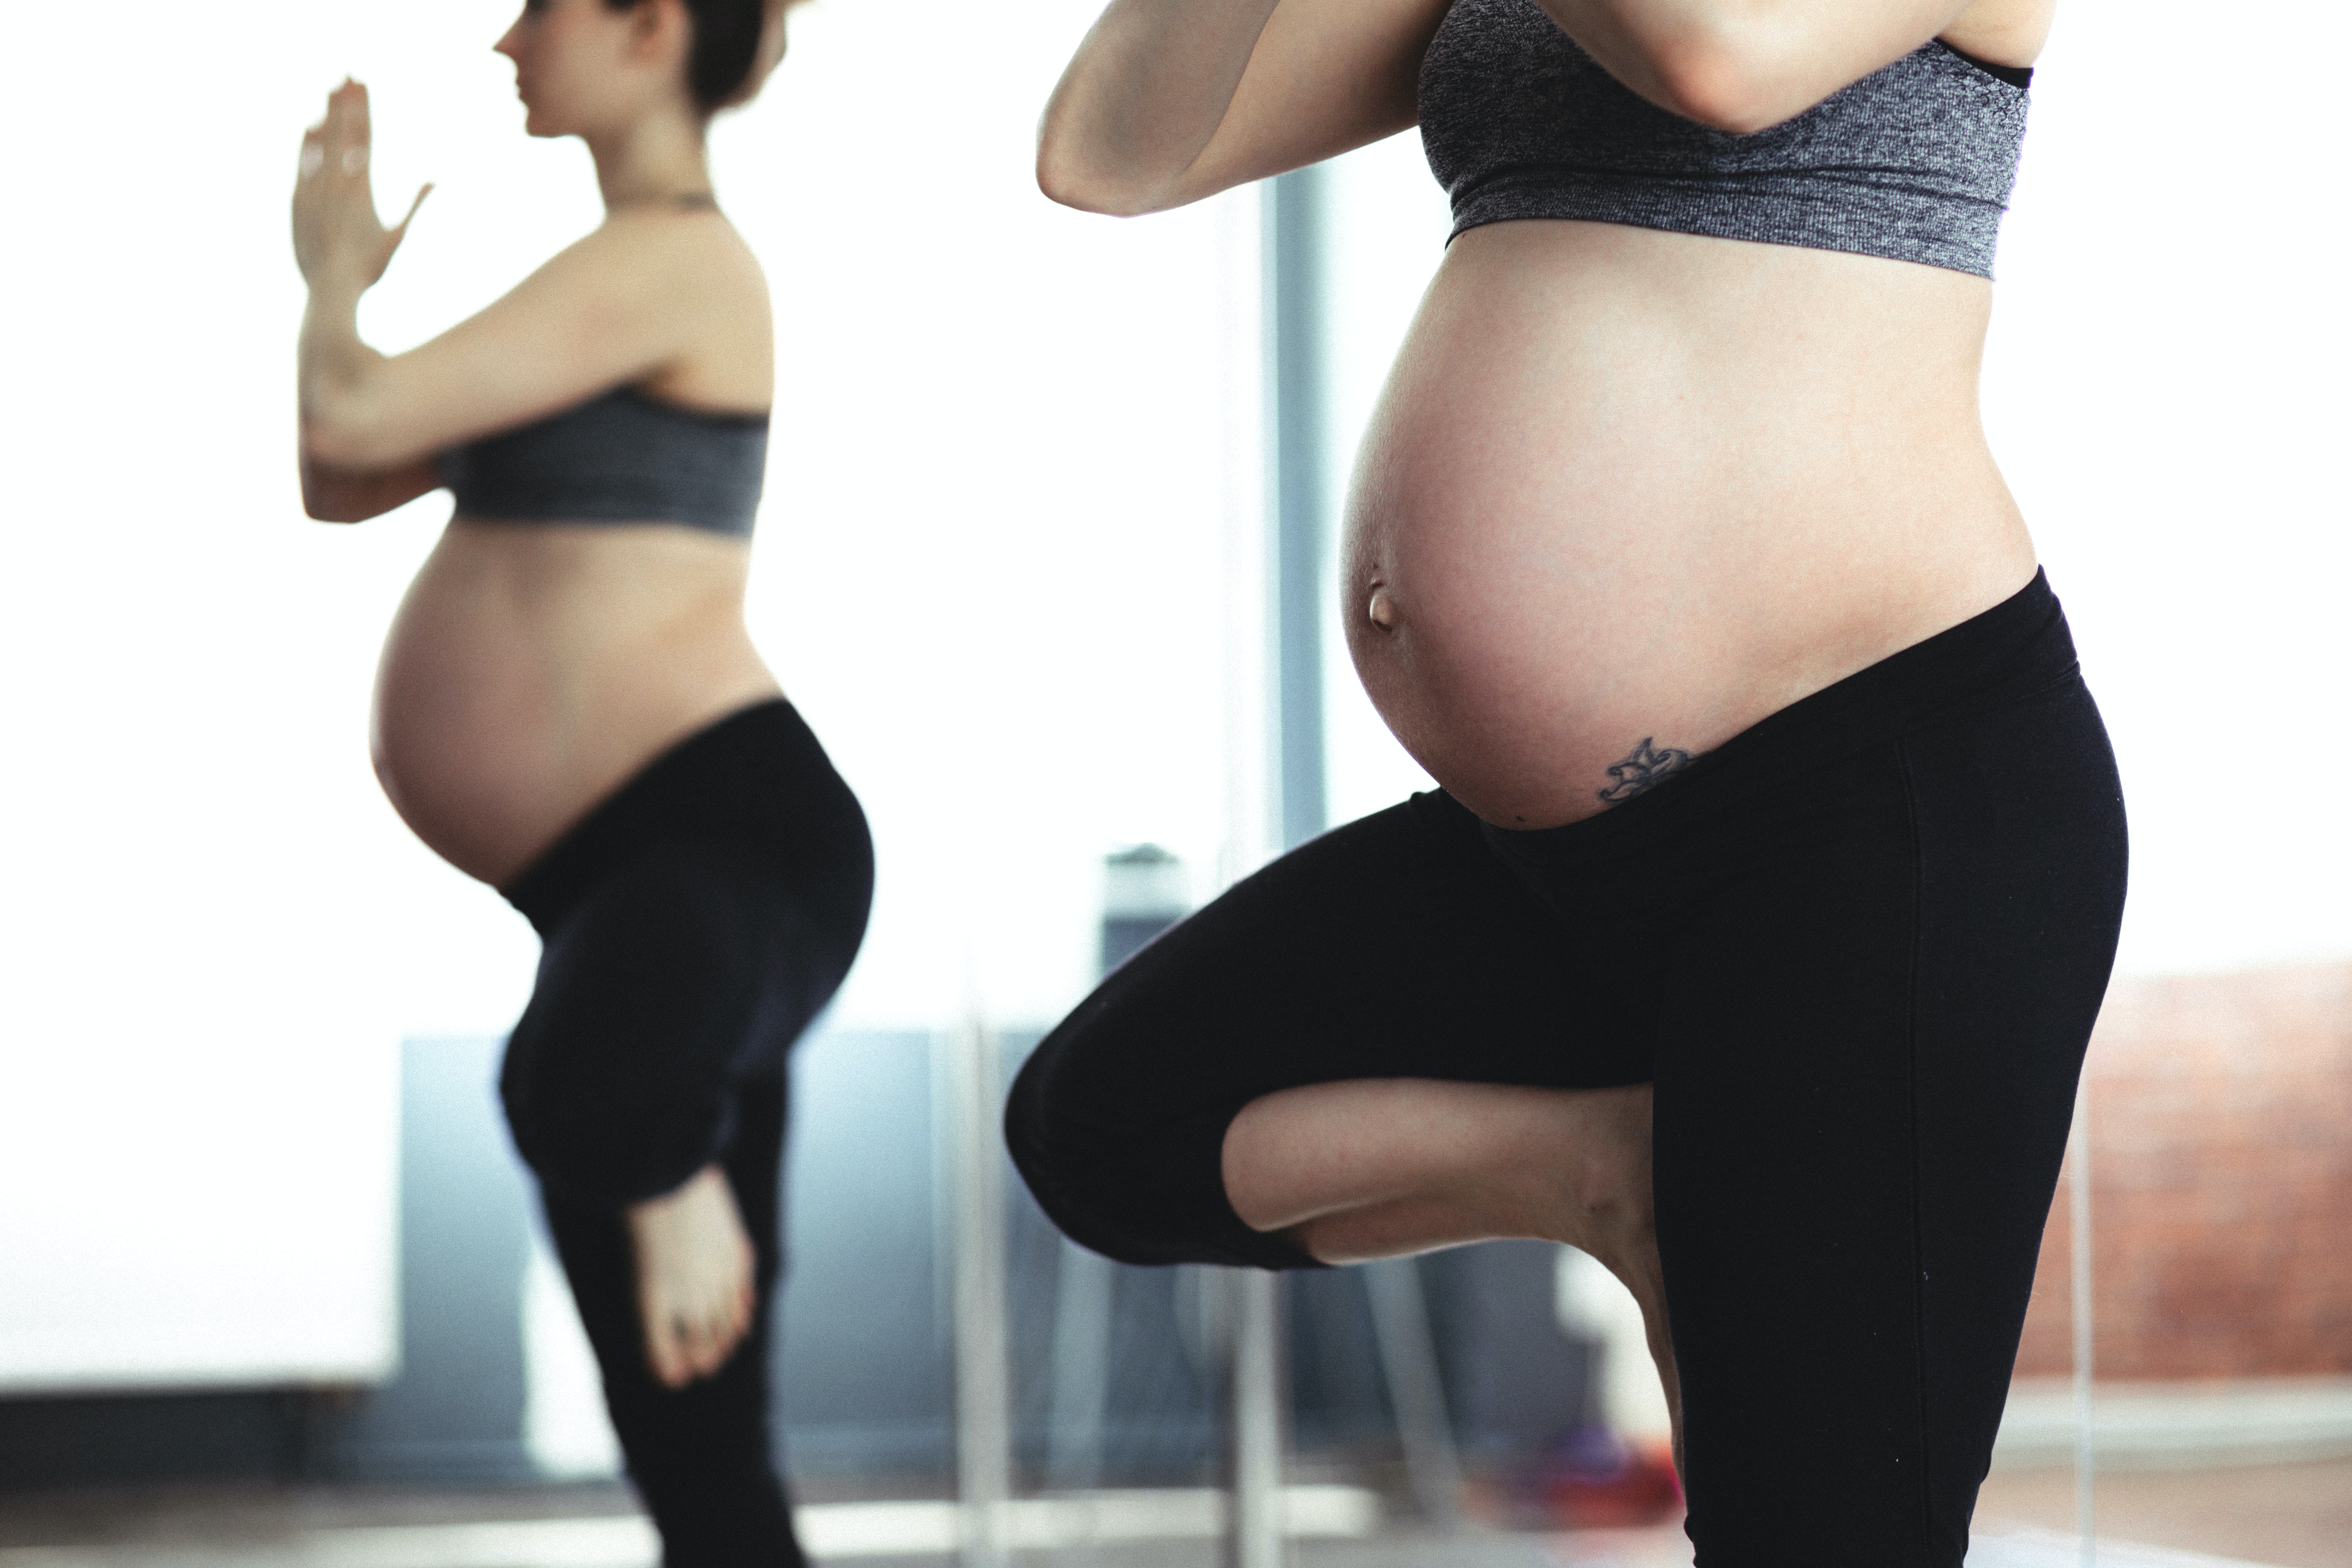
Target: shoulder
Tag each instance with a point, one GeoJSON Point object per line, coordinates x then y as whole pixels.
{"type": "Point", "coordinates": [641, 251]}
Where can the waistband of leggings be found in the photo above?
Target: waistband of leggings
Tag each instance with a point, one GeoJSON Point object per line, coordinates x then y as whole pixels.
{"type": "Point", "coordinates": [733, 781]}
{"type": "Point", "coordinates": [2019, 646]}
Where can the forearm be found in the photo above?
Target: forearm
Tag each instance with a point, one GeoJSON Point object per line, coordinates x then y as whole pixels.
{"type": "Point", "coordinates": [340, 495]}
{"type": "Point", "coordinates": [1142, 96]}
{"type": "Point", "coordinates": [333, 369]}
{"type": "Point", "coordinates": [1745, 64]}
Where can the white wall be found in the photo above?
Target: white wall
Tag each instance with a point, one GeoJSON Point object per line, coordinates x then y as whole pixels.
{"type": "Point", "coordinates": [2165, 388]}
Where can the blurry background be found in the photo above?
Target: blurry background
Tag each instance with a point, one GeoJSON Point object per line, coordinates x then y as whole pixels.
{"type": "Point", "coordinates": [257, 1219]}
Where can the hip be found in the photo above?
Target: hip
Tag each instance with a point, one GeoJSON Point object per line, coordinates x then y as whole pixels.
{"type": "Point", "coordinates": [754, 788]}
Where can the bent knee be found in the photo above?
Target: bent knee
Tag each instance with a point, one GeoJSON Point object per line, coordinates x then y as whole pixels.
{"type": "Point", "coordinates": [1140, 1183]}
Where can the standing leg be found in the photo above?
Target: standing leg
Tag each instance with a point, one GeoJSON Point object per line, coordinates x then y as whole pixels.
{"type": "Point", "coordinates": [700, 1456]}
{"type": "Point", "coordinates": [644, 1083]}
{"type": "Point", "coordinates": [1869, 1043]}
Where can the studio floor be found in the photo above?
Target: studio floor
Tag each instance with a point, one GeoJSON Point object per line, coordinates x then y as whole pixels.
{"type": "Point", "coordinates": [2277, 1516]}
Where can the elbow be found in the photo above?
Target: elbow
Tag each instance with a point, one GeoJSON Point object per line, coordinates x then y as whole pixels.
{"type": "Point", "coordinates": [328, 497]}
{"type": "Point", "coordinates": [1071, 179]}
{"type": "Point", "coordinates": [1722, 81]}
{"type": "Point", "coordinates": [1075, 186]}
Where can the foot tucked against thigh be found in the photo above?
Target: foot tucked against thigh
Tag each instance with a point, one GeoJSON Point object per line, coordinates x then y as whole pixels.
{"type": "Point", "coordinates": [694, 1264]}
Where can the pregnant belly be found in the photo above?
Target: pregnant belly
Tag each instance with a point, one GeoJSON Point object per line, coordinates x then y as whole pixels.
{"type": "Point", "coordinates": [530, 673]}
{"type": "Point", "coordinates": [1627, 492]}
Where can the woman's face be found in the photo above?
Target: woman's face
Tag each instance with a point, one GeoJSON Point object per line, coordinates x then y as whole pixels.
{"type": "Point", "coordinates": [581, 66]}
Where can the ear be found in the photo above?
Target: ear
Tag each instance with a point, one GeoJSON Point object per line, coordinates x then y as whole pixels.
{"type": "Point", "coordinates": [661, 32]}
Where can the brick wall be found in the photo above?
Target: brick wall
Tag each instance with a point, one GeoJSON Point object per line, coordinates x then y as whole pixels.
{"type": "Point", "coordinates": [2221, 1182]}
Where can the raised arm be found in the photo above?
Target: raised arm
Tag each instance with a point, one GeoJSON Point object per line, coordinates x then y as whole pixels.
{"type": "Point", "coordinates": [1170, 100]}
{"type": "Point", "coordinates": [1745, 65]}
{"type": "Point", "coordinates": [620, 306]}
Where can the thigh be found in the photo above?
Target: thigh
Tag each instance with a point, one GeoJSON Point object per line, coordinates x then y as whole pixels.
{"type": "Point", "coordinates": [1393, 947]}
{"type": "Point", "coordinates": [675, 977]}
{"type": "Point", "coordinates": [1869, 1042]}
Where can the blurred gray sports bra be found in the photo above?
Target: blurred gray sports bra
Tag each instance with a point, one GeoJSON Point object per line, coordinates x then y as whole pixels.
{"type": "Point", "coordinates": [1914, 162]}
{"type": "Point", "coordinates": [620, 458]}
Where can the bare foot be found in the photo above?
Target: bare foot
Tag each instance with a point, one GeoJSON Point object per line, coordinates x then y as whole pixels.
{"type": "Point", "coordinates": [1604, 1204]}
{"type": "Point", "coordinates": [694, 1277]}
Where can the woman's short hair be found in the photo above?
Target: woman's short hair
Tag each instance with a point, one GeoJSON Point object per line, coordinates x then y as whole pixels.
{"type": "Point", "coordinates": [726, 49]}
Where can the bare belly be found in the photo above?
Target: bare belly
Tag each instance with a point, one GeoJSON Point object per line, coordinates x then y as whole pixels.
{"type": "Point", "coordinates": [533, 670]}
{"type": "Point", "coordinates": [1626, 486]}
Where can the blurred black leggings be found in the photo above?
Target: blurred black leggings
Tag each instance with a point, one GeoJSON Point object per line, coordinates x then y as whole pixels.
{"type": "Point", "coordinates": [1858, 949]}
{"type": "Point", "coordinates": [694, 924]}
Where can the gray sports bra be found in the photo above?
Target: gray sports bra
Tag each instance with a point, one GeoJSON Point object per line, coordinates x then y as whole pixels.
{"type": "Point", "coordinates": [620, 458]}
{"type": "Point", "coordinates": [1913, 162]}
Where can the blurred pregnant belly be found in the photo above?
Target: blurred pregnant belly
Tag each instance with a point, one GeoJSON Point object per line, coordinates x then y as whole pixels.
{"type": "Point", "coordinates": [1629, 489]}
{"type": "Point", "coordinates": [533, 670]}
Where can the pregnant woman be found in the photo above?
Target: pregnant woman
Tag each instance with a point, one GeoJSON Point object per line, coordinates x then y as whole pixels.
{"type": "Point", "coordinates": [570, 709]}
{"type": "Point", "coordinates": [1753, 940]}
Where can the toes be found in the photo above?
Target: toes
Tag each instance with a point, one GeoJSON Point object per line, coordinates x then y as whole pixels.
{"type": "Point", "coordinates": [710, 1348]}
{"type": "Point", "coordinates": [664, 1355]}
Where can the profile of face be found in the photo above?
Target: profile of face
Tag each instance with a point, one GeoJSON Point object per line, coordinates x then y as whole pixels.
{"type": "Point", "coordinates": [582, 67]}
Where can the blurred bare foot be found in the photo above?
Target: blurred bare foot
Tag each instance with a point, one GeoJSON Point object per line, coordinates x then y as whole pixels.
{"type": "Point", "coordinates": [694, 1277]}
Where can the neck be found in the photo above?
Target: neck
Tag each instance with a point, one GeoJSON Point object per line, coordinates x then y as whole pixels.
{"type": "Point", "coordinates": [657, 158]}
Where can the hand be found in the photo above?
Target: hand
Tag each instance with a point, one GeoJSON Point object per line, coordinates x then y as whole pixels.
{"type": "Point", "coordinates": [337, 236]}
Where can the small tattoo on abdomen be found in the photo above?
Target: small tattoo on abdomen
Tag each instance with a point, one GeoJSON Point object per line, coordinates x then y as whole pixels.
{"type": "Point", "coordinates": [1647, 764]}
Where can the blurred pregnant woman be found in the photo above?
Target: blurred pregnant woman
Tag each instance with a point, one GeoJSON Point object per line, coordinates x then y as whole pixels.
{"type": "Point", "coordinates": [570, 709]}
{"type": "Point", "coordinates": [1754, 937]}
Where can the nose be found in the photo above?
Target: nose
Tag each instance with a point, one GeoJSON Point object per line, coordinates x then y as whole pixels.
{"type": "Point", "coordinates": [509, 44]}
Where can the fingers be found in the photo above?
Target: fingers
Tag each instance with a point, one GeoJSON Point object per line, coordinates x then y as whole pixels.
{"type": "Point", "coordinates": [400, 230]}
{"type": "Point", "coordinates": [343, 134]}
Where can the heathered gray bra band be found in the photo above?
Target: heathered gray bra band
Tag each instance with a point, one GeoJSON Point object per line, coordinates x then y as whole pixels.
{"type": "Point", "coordinates": [1913, 162]}
{"type": "Point", "coordinates": [620, 458]}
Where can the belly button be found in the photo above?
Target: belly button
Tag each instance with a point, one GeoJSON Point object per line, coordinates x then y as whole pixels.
{"type": "Point", "coordinates": [1382, 609]}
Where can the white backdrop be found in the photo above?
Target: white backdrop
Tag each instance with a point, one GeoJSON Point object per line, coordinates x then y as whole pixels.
{"type": "Point", "coordinates": [989, 572]}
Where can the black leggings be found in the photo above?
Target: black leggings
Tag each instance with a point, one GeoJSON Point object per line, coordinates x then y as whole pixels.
{"type": "Point", "coordinates": [694, 924]}
{"type": "Point", "coordinates": [1858, 949]}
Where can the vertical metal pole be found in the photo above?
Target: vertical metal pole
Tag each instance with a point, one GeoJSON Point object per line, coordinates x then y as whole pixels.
{"type": "Point", "coordinates": [1409, 1362]}
{"type": "Point", "coordinates": [1254, 1535]}
{"type": "Point", "coordinates": [1291, 240]}
{"type": "Point", "coordinates": [2078, 1209]}
{"type": "Point", "coordinates": [1085, 1289]}
{"type": "Point", "coordinates": [1294, 282]}
{"type": "Point", "coordinates": [983, 1372]}
{"type": "Point", "coordinates": [1145, 891]}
